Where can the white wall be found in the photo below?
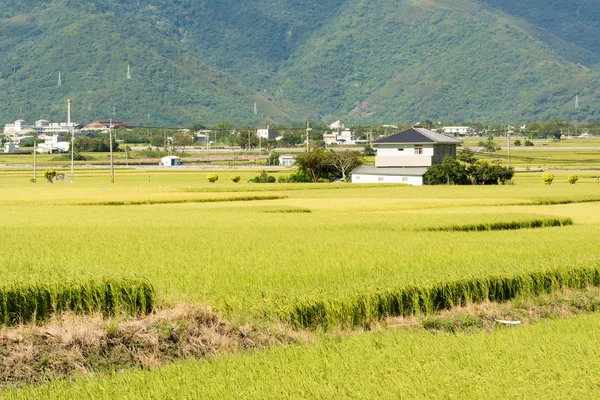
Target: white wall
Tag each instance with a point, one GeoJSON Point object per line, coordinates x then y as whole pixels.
{"type": "Point", "coordinates": [409, 150]}
{"type": "Point", "coordinates": [407, 180]}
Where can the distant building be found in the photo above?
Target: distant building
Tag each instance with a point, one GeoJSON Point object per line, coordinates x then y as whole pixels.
{"type": "Point", "coordinates": [105, 125]}
{"type": "Point", "coordinates": [10, 147]}
{"type": "Point", "coordinates": [267, 133]}
{"type": "Point", "coordinates": [170, 161]}
{"type": "Point", "coordinates": [404, 157]}
{"type": "Point", "coordinates": [53, 144]}
{"type": "Point", "coordinates": [459, 130]}
{"type": "Point", "coordinates": [20, 127]}
{"type": "Point", "coordinates": [286, 161]}
{"type": "Point", "coordinates": [339, 135]}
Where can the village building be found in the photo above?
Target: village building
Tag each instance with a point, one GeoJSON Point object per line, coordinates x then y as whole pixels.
{"type": "Point", "coordinates": [459, 130]}
{"type": "Point", "coordinates": [404, 157]}
{"type": "Point", "coordinates": [170, 161]}
{"type": "Point", "coordinates": [267, 133]}
{"type": "Point", "coordinates": [339, 134]}
{"type": "Point", "coordinates": [286, 160]}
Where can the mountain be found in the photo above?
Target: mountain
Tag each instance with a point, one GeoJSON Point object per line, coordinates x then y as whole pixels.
{"type": "Point", "coordinates": [368, 62]}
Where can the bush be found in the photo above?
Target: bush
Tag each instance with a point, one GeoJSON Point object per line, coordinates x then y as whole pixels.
{"type": "Point", "coordinates": [517, 143]}
{"type": "Point", "coordinates": [573, 179]}
{"type": "Point", "coordinates": [49, 174]}
{"type": "Point", "coordinates": [548, 178]}
{"type": "Point", "coordinates": [235, 178]}
{"type": "Point", "coordinates": [301, 176]}
{"type": "Point", "coordinates": [369, 151]}
{"type": "Point", "coordinates": [263, 178]}
{"type": "Point", "coordinates": [212, 178]}
{"type": "Point", "coordinates": [528, 143]}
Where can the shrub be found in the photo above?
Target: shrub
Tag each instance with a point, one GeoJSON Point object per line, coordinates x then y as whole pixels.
{"type": "Point", "coordinates": [517, 143]}
{"type": "Point", "coordinates": [548, 178]}
{"type": "Point", "coordinates": [369, 151]}
{"type": "Point", "coordinates": [263, 178]}
{"type": "Point", "coordinates": [49, 174]}
{"type": "Point", "coordinates": [528, 143]}
{"type": "Point", "coordinates": [301, 176]}
{"type": "Point", "coordinates": [573, 179]}
{"type": "Point", "coordinates": [212, 178]}
{"type": "Point", "coordinates": [235, 178]}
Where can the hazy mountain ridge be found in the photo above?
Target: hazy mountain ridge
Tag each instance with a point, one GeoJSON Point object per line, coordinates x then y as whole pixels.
{"type": "Point", "coordinates": [385, 61]}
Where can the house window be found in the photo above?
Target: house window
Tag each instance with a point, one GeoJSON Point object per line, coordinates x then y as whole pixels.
{"type": "Point", "coordinates": [381, 179]}
{"type": "Point", "coordinates": [401, 149]}
{"type": "Point", "coordinates": [405, 179]}
{"type": "Point", "coordinates": [418, 149]}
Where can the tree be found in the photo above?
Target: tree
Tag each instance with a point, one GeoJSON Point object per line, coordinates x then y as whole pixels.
{"type": "Point", "coordinates": [489, 144]}
{"type": "Point", "coordinates": [344, 161]}
{"type": "Point", "coordinates": [182, 140]}
{"type": "Point", "coordinates": [157, 141]}
{"type": "Point", "coordinates": [467, 156]}
{"type": "Point", "coordinates": [449, 172]}
{"type": "Point", "coordinates": [49, 174]}
{"type": "Point", "coordinates": [315, 163]}
{"type": "Point", "coordinates": [517, 143]}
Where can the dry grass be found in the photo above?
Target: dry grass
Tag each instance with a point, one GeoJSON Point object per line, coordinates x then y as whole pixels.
{"type": "Point", "coordinates": [70, 344]}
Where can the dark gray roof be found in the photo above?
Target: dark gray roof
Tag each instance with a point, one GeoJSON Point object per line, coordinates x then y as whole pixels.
{"type": "Point", "coordinates": [390, 171]}
{"type": "Point", "coordinates": [417, 135]}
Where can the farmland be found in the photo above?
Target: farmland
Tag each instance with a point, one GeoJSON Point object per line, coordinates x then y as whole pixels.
{"type": "Point", "coordinates": [258, 253]}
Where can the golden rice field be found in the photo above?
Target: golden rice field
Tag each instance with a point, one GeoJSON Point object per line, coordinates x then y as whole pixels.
{"type": "Point", "coordinates": [263, 252]}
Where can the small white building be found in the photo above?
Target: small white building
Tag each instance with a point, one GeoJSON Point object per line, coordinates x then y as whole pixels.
{"type": "Point", "coordinates": [459, 130]}
{"type": "Point", "coordinates": [10, 147]}
{"type": "Point", "coordinates": [267, 133]}
{"type": "Point", "coordinates": [170, 161]}
{"type": "Point", "coordinates": [404, 157]}
{"type": "Point", "coordinates": [286, 161]}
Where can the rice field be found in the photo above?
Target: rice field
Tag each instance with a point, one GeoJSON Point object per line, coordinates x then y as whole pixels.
{"type": "Point", "coordinates": [557, 359]}
{"type": "Point", "coordinates": [316, 256]}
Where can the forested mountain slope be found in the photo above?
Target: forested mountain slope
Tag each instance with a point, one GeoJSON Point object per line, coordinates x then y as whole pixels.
{"type": "Point", "coordinates": [384, 61]}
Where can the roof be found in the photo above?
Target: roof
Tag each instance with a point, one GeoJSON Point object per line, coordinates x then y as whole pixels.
{"type": "Point", "coordinates": [171, 157]}
{"type": "Point", "coordinates": [390, 171]}
{"type": "Point", "coordinates": [417, 135]}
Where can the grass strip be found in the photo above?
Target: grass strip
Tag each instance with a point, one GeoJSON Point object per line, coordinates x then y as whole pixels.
{"type": "Point", "coordinates": [36, 302]}
{"type": "Point", "coordinates": [501, 226]}
{"type": "Point", "coordinates": [178, 201]}
{"type": "Point", "coordinates": [411, 300]}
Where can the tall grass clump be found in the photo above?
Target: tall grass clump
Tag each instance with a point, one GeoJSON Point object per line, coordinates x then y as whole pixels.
{"type": "Point", "coordinates": [36, 302]}
{"type": "Point", "coordinates": [410, 300]}
{"type": "Point", "coordinates": [500, 226]}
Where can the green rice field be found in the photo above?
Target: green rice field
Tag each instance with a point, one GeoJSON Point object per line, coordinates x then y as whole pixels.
{"type": "Point", "coordinates": [335, 255]}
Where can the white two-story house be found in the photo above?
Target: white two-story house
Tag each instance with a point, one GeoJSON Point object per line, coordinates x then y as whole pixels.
{"type": "Point", "coordinates": [404, 157]}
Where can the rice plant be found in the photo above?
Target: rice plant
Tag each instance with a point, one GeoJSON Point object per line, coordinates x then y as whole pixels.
{"type": "Point", "coordinates": [36, 302]}
{"type": "Point", "coordinates": [509, 225]}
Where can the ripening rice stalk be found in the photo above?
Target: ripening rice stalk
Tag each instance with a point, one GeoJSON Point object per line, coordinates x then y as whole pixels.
{"type": "Point", "coordinates": [410, 300]}
{"type": "Point", "coordinates": [36, 302]}
{"type": "Point", "coordinates": [509, 225]}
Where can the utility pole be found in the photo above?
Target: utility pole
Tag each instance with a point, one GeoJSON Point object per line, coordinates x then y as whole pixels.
{"type": "Point", "coordinates": [34, 161]}
{"type": "Point", "coordinates": [70, 127]}
{"type": "Point", "coordinates": [112, 167]}
{"type": "Point", "coordinates": [308, 129]}
{"type": "Point", "coordinates": [508, 140]}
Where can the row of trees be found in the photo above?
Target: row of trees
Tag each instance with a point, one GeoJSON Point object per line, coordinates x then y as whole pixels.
{"type": "Point", "coordinates": [467, 171]}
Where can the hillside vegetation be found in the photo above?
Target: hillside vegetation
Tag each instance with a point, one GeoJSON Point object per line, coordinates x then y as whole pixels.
{"type": "Point", "coordinates": [385, 61]}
